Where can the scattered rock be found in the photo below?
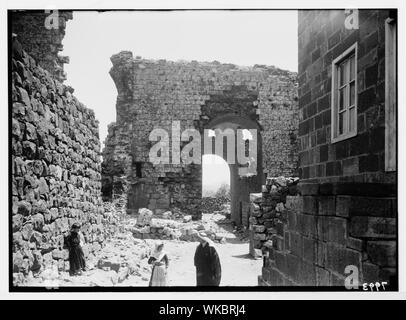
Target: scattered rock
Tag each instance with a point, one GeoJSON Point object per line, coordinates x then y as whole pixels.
{"type": "Point", "coordinates": [144, 217]}
{"type": "Point", "coordinates": [187, 219]}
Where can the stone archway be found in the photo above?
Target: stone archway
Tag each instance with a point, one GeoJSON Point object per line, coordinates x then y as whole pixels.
{"type": "Point", "coordinates": [196, 96]}
{"type": "Point", "coordinates": [240, 186]}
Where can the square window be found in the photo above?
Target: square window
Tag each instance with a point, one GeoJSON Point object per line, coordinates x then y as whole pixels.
{"type": "Point", "coordinates": [344, 95]}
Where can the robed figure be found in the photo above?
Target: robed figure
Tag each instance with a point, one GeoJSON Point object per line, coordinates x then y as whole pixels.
{"type": "Point", "coordinates": [207, 263]}
{"type": "Point", "coordinates": [73, 241]}
{"type": "Point", "coordinates": [159, 260]}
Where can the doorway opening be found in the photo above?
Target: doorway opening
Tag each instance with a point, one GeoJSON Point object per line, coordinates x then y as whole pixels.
{"type": "Point", "coordinates": [216, 194]}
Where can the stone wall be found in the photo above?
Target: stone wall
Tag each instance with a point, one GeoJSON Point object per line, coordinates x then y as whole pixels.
{"type": "Point", "coordinates": [268, 214]}
{"type": "Point", "coordinates": [56, 165]}
{"type": "Point", "coordinates": [322, 38]}
{"type": "Point", "coordinates": [42, 33]}
{"type": "Point", "coordinates": [346, 211]}
{"type": "Point", "coordinates": [329, 227]}
{"type": "Point", "coordinates": [153, 94]}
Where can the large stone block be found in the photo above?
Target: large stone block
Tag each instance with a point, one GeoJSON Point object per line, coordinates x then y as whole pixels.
{"type": "Point", "coordinates": [321, 253]}
{"type": "Point", "coordinates": [294, 203]}
{"type": "Point", "coordinates": [327, 205]}
{"type": "Point", "coordinates": [370, 273]}
{"type": "Point", "coordinates": [356, 244]}
{"type": "Point", "coordinates": [339, 257]}
{"type": "Point", "coordinates": [310, 205]}
{"type": "Point", "coordinates": [337, 280]}
{"type": "Point", "coordinates": [291, 220]}
{"type": "Point", "coordinates": [307, 274]}
{"type": "Point", "coordinates": [296, 244]}
{"type": "Point", "coordinates": [382, 253]}
{"type": "Point", "coordinates": [294, 267]}
{"type": "Point", "coordinates": [337, 230]}
{"type": "Point", "coordinates": [322, 277]}
{"type": "Point", "coordinates": [309, 250]}
{"type": "Point", "coordinates": [373, 227]}
{"type": "Point", "coordinates": [280, 261]}
{"type": "Point", "coordinates": [308, 188]}
{"type": "Point", "coordinates": [359, 189]}
{"type": "Point", "coordinates": [306, 224]}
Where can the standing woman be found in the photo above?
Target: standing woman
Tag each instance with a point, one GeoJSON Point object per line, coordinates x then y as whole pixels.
{"type": "Point", "coordinates": [159, 260]}
{"type": "Point", "coordinates": [76, 257]}
{"type": "Point", "coordinates": [207, 262]}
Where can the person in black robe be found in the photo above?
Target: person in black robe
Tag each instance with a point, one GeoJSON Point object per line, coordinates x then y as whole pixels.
{"type": "Point", "coordinates": [207, 263]}
{"type": "Point", "coordinates": [76, 257]}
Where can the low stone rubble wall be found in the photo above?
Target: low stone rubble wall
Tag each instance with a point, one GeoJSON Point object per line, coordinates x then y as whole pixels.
{"type": "Point", "coordinates": [267, 214]}
{"type": "Point", "coordinates": [212, 204]}
{"type": "Point", "coordinates": [147, 226]}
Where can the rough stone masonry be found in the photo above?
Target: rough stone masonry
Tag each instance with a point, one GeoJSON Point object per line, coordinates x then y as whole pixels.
{"type": "Point", "coordinates": [55, 162]}
{"type": "Point", "coordinates": [207, 95]}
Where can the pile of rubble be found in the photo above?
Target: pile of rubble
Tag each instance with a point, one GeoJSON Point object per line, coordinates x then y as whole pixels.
{"type": "Point", "coordinates": [165, 228]}
{"type": "Point", "coordinates": [123, 261]}
{"type": "Point", "coordinates": [215, 204]}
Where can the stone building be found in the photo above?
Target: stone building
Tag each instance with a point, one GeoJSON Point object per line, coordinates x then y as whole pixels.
{"type": "Point", "coordinates": [185, 95]}
{"type": "Point", "coordinates": [344, 220]}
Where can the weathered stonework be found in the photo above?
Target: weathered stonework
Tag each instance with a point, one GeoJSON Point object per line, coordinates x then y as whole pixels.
{"type": "Point", "coordinates": [43, 41]}
{"type": "Point", "coordinates": [268, 214]}
{"type": "Point", "coordinates": [56, 165]}
{"type": "Point", "coordinates": [345, 213]}
{"type": "Point", "coordinates": [153, 94]}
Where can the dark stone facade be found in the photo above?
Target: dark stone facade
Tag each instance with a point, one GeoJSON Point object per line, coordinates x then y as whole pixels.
{"type": "Point", "coordinates": [346, 210]}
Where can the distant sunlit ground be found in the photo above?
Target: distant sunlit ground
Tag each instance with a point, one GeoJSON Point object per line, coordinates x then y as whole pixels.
{"type": "Point", "coordinates": [215, 172]}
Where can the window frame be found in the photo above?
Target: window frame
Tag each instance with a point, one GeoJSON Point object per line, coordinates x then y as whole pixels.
{"type": "Point", "coordinates": [390, 94]}
{"type": "Point", "coordinates": [335, 86]}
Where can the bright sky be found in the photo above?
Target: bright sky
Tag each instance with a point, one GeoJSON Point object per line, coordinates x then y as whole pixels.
{"type": "Point", "coordinates": [241, 37]}
{"type": "Point", "coordinates": [215, 172]}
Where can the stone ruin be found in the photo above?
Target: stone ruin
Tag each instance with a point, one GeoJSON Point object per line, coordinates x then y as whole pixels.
{"type": "Point", "coordinates": [57, 174]}
{"type": "Point", "coordinates": [154, 94]}
{"type": "Point", "coordinates": [344, 210]}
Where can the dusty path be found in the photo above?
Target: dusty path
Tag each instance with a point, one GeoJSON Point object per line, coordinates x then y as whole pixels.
{"type": "Point", "coordinates": [238, 267]}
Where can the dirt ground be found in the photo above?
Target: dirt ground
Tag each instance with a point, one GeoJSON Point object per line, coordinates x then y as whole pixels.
{"type": "Point", "coordinates": [238, 267]}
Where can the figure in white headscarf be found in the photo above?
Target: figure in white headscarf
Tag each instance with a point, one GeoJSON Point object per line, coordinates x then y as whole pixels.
{"type": "Point", "coordinates": [207, 262]}
{"type": "Point", "coordinates": [159, 260]}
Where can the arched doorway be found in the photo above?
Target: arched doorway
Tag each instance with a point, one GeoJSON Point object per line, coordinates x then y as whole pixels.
{"type": "Point", "coordinates": [215, 175]}
{"type": "Point", "coordinates": [241, 185]}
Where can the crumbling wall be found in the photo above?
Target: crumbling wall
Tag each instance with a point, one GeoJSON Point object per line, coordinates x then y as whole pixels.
{"type": "Point", "coordinates": [154, 94]}
{"type": "Point", "coordinates": [55, 167]}
{"type": "Point", "coordinates": [268, 214]}
{"type": "Point", "coordinates": [42, 32]}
